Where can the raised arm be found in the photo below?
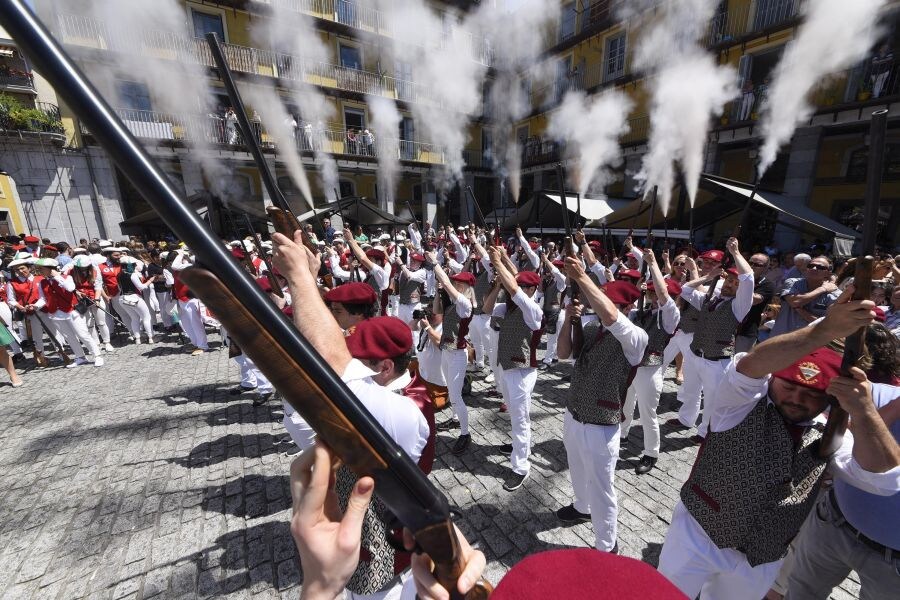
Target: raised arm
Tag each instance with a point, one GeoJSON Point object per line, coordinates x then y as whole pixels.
{"type": "Point", "coordinates": [357, 251]}
{"type": "Point", "coordinates": [602, 305]}
{"type": "Point", "coordinates": [531, 254]}
{"type": "Point", "coordinates": [507, 279]}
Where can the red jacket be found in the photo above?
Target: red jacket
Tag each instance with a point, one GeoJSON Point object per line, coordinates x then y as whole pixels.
{"type": "Point", "coordinates": [57, 297]}
{"type": "Point", "coordinates": [180, 290]}
{"type": "Point", "coordinates": [110, 275]}
{"type": "Point", "coordinates": [26, 292]}
{"type": "Point", "coordinates": [87, 287]}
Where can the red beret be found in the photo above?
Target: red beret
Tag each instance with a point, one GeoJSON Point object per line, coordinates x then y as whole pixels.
{"type": "Point", "coordinates": [263, 283]}
{"type": "Point", "coordinates": [628, 273]}
{"type": "Point", "coordinates": [534, 245]}
{"type": "Point", "coordinates": [30, 239]}
{"type": "Point", "coordinates": [352, 293]}
{"type": "Point", "coordinates": [622, 292]}
{"type": "Point", "coordinates": [713, 255]}
{"type": "Point", "coordinates": [377, 254]}
{"type": "Point", "coordinates": [51, 248]}
{"type": "Point", "coordinates": [464, 276]}
{"type": "Point", "coordinates": [19, 247]}
{"type": "Point", "coordinates": [417, 257]}
{"type": "Point", "coordinates": [673, 288]}
{"type": "Point", "coordinates": [815, 370]}
{"type": "Point", "coordinates": [528, 278]}
{"type": "Point", "coordinates": [238, 253]}
{"type": "Point", "coordinates": [379, 338]}
{"type": "Point", "coordinates": [879, 314]}
{"type": "Point", "coordinates": [584, 573]}
{"type": "Point", "coordinates": [732, 271]}
{"type": "Point", "coordinates": [559, 264]}
{"type": "Point", "coordinates": [595, 245]}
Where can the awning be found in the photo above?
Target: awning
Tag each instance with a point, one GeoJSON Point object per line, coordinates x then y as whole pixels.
{"type": "Point", "coordinates": [783, 204]}
{"type": "Point", "coordinates": [545, 208]}
{"type": "Point", "coordinates": [358, 211]}
{"type": "Point", "coordinates": [201, 203]}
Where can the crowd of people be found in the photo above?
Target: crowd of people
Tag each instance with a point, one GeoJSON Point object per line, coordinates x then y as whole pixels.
{"type": "Point", "coordinates": [424, 310]}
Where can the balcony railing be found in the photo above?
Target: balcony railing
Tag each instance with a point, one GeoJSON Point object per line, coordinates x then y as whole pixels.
{"type": "Point", "coordinates": [14, 72]}
{"type": "Point", "coordinates": [18, 81]}
{"type": "Point", "coordinates": [750, 18]}
{"type": "Point", "coordinates": [83, 31]}
{"type": "Point", "coordinates": [539, 151]}
{"type": "Point", "coordinates": [213, 129]}
{"type": "Point", "coordinates": [43, 118]}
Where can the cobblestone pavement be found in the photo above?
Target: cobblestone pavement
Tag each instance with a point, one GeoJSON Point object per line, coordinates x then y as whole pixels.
{"type": "Point", "coordinates": [145, 478]}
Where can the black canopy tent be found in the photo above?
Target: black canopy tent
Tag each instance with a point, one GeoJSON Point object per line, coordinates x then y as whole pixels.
{"type": "Point", "coordinates": [358, 211]}
{"type": "Point", "coordinates": [545, 208]}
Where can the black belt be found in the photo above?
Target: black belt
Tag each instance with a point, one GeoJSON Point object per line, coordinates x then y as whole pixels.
{"type": "Point", "coordinates": [578, 419]}
{"type": "Point", "coordinates": [886, 551]}
{"type": "Point", "coordinates": [701, 355]}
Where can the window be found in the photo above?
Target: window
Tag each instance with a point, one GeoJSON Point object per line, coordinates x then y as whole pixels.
{"type": "Point", "coordinates": [347, 12]}
{"type": "Point", "coordinates": [5, 223]}
{"type": "Point", "coordinates": [407, 137]}
{"type": "Point", "coordinates": [772, 12]}
{"type": "Point", "coordinates": [615, 58]}
{"type": "Point", "coordinates": [354, 119]}
{"type": "Point", "coordinates": [207, 23]}
{"type": "Point", "coordinates": [858, 164]}
{"type": "Point", "coordinates": [522, 135]}
{"type": "Point", "coordinates": [347, 188]}
{"type": "Point", "coordinates": [487, 145]}
{"type": "Point", "coordinates": [403, 80]}
{"type": "Point", "coordinates": [567, 21]}
{"type": "Point", "coordinates": [134, 95]}
{"type": "Point", "coordinates": [351, 57]}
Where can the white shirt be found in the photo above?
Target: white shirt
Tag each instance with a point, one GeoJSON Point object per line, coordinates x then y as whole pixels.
{"type": "Point", "coordinates": [461, 253]}
{"type": "Point", "coordinates": [415, 237]}
{"type": "Point", "coordinates": [531, 310]}
{"type": "Point", "coordinates": [430, 359]}
{"type": "Point", "coordinates": [531, 254]}
{"type": "Point", "coordinates": [463, 306]}
{"type": "Point", "coordinates": [600, 271]}
{"type": "Point", "coordinates": [382, 276]}
{"type": "Point", "coordinates": [743, 299]}
{"type": "Point", "coordinates": [668, 314]}
{"type": "Point", "coordinates": [633, 338]}
{"type": "Point", "coordinates": [559, 278]}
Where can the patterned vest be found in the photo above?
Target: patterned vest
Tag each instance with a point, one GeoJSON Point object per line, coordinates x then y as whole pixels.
{"type": "Point", "coordinates": [374, 285]}
{"type": "Point", "coordinates": [658, 339]}
{"type": "Point", "coordinates": [406, 289]}
{"type": "Point", "coordinates": [454, 329]}
{"type": "Point", "coordinates": [551, 294]}
{"type": "Point", "coordinates": [600, 378]}
{"type": "Point", "coordinates": [517, 343]}
{"type": "Point", "coordinates": [689, 318]}
{"type": "Point", "coordinates": [482, 286]}
{"type": "Point", "coordinates": [751, 488]}
{"type": "Point", "coordinates": [716, 328]}
{"type": "Point", "coordinates": [376, 564]}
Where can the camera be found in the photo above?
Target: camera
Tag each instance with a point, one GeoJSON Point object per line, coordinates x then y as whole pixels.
{"type": "Point", "coordinates": [421, 313]}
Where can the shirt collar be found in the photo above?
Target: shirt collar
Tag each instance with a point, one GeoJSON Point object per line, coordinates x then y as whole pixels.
{"type": "Point", "coordinates": [401, 382]}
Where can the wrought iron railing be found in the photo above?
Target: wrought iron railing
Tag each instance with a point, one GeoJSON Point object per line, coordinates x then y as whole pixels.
{"type": "Point", "coordinates": [43, 118]}
{"type": "Point", "coordinates": [750, 18]}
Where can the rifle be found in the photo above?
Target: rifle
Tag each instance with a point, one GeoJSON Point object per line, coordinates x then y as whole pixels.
{"type": "Point", "coordinates": [283, 218]}
{"type": "Point", "coordinates": [491, 240]}
{"type": "Point", "coordinates": [644, 265]}
{"type": "Point", "coordinates": [855, 344]}
{"type": "Point", "coordinates": [270, 273]}
{"type": "Point", "coordinates": [574, 291]}
{"type": "Point", "coordinates": [60, 350]}
{"type": "Point", "coordinates": [735, 234]}
{"type": "Point", "coordinates": [265, 334]}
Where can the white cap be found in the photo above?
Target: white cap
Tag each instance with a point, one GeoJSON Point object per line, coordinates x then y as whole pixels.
{"type": "Point", "coordinates": [104, 243]}
{"type": "Point", "coordinates": [79, 250]}
{"type": "Point", "coordinates": [22, 258]}
{"type": "Point", "coordinates": [82, 262]}
{"type": "Point", "coordinates": [384, 237]}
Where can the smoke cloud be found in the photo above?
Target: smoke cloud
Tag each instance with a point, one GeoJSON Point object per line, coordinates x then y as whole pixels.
{"type": "Point", "coordinates": [386, 123]}
{"type": "Point", "coordinates": [591, 128]}
{"type": "Point", "coordinates": [835, 35]}
{"type": "Point", "coordinates": [688, 89]}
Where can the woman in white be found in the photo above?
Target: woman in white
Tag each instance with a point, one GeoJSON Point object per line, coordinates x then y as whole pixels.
{"type": "Point", "coordinates": [6, 315]}
{"type": "Point", "coordinates": [131, 300]}
{"type": "Point", "coordinates": [89, 284]}
{"type": "Point", "coordinates": [57, 296]}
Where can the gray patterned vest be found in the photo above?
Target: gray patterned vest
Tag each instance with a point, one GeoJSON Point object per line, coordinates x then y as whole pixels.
{"type": "Point", "coordinates": [551, 294]}
{"type": "Point", "coordinates": [600, 378]}
{"type": "Point", "coordinates": [715, 330]}
{"type": "Point", "coordinates": [658, 339]}
{"type": "Point", "coordinates": [751, 488]}
{"type": "Point", "coordinates": [370, 280]}
{"type": "Point", "coordinates": [517, 343]}
{"type": "Point", "coordinates": [406, 288]}
{"type": "Point", "coordinates": [373, 574]}
{"type": "Point", "coordinates": [689, 318]}
{"type": "Point", "coordinates": [482, 286]}
{"type": "Point", "coordinates": [454, 329]}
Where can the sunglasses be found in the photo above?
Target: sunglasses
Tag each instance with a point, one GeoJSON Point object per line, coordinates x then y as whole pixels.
{"type": "Point", "coordinates": [819, 267]}
{"type": "Point", "coordinates": [678, 264]}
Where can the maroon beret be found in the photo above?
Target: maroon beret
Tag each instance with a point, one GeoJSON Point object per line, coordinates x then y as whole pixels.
{"type": "Point", "coordinates": [673, 288]}
{"type": "Point", "coordinates": [30, 239]}
{"type": "Point", "coordinates": [464, 276]}
{"type": "Point", "coordinates": [376, 254]}
{"type": "Point", "coordinates": [352, 293]}
{"type": "Point", "coordinates": [417, 256]}
{"type": "Point", "coordinates": [879, 314]}
{"type": "Point", "coordinates": [238, 253]}
{"type": "Point", "coordinates": [559, 264]}
{"type": "Point", "coordinates": [51, 248]}
{"type": "Point", "coordinates": [629, 273]}
{"type": "Point", "coordinates": [713, 255]}
{"type": "Point", "coordinates": [732, 271]}
{"type": "Point", "coordinates": [534, 245]}
{"type": "Point", "coordinates": [622, 292]}
{"type": "Point", "coordinates": [379, 338]}
{"type": "Point", "coordinates": [595, 245]}
{"type": "Point", "coordinates": [528, 278]}
{"type": "Point", "coordinates": [584, 573]}
{"type": "Point", "coordinates": [815, 370]}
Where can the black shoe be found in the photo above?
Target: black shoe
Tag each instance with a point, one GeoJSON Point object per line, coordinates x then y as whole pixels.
{"type": "Point", "coordinates": [238, 390]}
{"type": "Point", "coordinates": [676, 424]}
{"type": "Point", "coordinates": [262, 398]}
{"type": "Point", "coordinates": [646, 465]}
{"type": "Point", "coordinates": [462, 443]}
{"type": "Point", "coordinates": [569, 515]}
{"type": "Point", "coordinates": [697, 439]}
{"type": "Point", "coordinates": [623, 441]}
{"type": "Point", "coordinates": [514, 482]}
{"type": "Point", "coordinates": [18, 358]}
{"type": "Point", "coordinates": [505, 448]}
{"type": "Point", "coordinates": [447, 425]}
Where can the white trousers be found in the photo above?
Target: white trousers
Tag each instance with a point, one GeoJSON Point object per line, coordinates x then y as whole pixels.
{"type": "Point", "coordinates": [689, 392]}
{"type": "Point", "coordinates": [96, 320]}
{"type": "Point", "coordinates": [74, 330]}
{"type": "Point", "coordinates": [711, 373]}
{"type": "Point", "coordinates": [164, 300]}
{"type": "Point", "coordinates": [138, 316]}
{"type": "Point", "coordinates": [251, 376]}
{"type": "Point", "coordinates": [394, 305]}
{"type": "Point", "coordinates": [479, 333]}
{"type": "Point", "coordinates": [37, 331]}
{"type": "Point", "coordinates": [453, 367]}
{"type": "Point", "coordinates": [553, 339]}
{"type": "Point", "coordinates": [192, 322]}
{"type": "Point", "coordinates": [592, 452]}
{"type": "Point", "coordinates": [516, 389]}
{"type": "Point", "coordinates": [691, 561]}
{"type": "Point", "coordinates": [644, 391]}
{"type": "Point", "coordinates": [6, 317]}
{"type": "Point", "coordinates": [297, 427]}
{"type": "Point", "coordinates": [405, 311]}
{"type": "Point", "coordinates": [152, 303]}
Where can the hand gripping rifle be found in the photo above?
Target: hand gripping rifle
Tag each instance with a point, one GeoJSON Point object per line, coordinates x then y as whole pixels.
{"type": "Point", "coordinates": [574, 292]}
{"type": "Point", "coordinates": [302, 376]}
{"type": "Point", "coordinates": [282, 216]}
{"type": "Point", "coordinates": [855, 344]}
{"type": "Point", "coordinates": [644, 266]}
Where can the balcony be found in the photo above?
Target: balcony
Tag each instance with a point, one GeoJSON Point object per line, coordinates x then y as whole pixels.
{"type": "Point", "coordinates": [15, 76]}
{"type": "Point", "coordinates": [750, 19]}
{"type": "Point", "coordinates": [211, 130]}
{"type": "Point", "coordinates": [21, 121]}
{"type": "Point", "coordinates": [89, 33]}
{"type": "Point", "coordinates": [540, 151]}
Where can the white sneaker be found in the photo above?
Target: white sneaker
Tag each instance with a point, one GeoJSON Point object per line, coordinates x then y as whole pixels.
{"type": "Point", "coordinates": [98, 361]}
{"type": "Point", "coordinates": [137, 341]}
{"type": "Point", "coordinates": [108, 347]}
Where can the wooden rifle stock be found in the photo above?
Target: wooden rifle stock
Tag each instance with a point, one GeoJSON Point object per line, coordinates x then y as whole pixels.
{"type": "Point", "coordinates": [305, 395]}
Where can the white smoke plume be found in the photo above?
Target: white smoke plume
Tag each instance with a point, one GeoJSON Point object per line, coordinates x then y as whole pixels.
{"type": "Point", "coordinates": [688, 89]}
{"type": "Point", "coordinates": [447, 83]}
{"type": "Point", "coordinates": [386, 124]}
{"type": "Point", "coordinates": [178, 85]}
{"type": "Point", "coordinates": [591, 128]}
{"type": "Point", "coordinates": [280, 125]}
{"type": "Point", "coordinates": [835, 35]}
{"type": "Point", "coordinates": [290, 33]}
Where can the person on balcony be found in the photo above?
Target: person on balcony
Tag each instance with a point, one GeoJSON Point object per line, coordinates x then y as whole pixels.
{"type": "Point", "coordinates": [352, 142]}
{"type": "Point", "coordinates": [748, 99]}
{"type": "Point", "coordinates": [231, 134]}
{"type": "Point", "coordinates": [881, 70]}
